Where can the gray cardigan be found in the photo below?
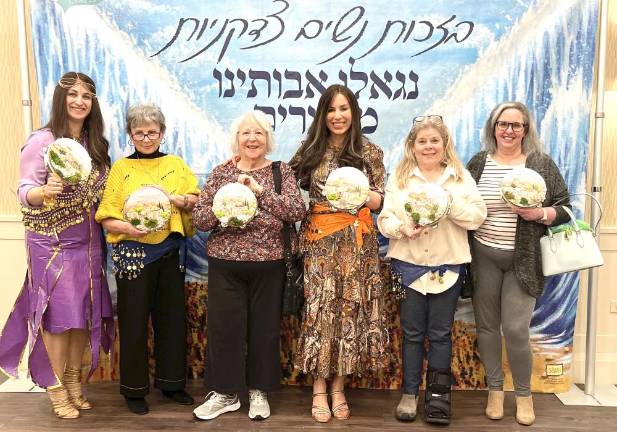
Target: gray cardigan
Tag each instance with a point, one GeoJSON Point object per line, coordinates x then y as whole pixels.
{"type": "Point", "coordinates": [527, 258]}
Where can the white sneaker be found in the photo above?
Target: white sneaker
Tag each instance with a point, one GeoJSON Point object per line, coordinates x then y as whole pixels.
{"type": "Point", "coordinates": [259, 407]}
{"type": "Point", "coordinates": [215, 405]}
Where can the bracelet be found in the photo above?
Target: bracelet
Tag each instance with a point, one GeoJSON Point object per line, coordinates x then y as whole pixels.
{"type": "Point", "coordinates": [186, 201]}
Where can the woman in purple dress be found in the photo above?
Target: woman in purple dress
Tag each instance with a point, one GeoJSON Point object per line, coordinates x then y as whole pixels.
{"type": "Point", "coordinates": [65, 300]}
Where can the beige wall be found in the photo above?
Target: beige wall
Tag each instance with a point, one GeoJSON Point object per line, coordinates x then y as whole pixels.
{"type": "Point", "coordinates": [12, 259]}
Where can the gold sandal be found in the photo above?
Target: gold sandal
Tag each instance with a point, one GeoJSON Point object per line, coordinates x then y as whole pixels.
{"type": "Point", "coordinates": [72, 382]}
{"type": "Point", "coordinates": [62, 406]}
{"type": "Point", "coordinates": [341, 411]}
{"type": "Point", "coordinates": [319, 413]}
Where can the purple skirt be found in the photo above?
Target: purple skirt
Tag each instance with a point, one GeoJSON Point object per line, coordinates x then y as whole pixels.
{"type": "Point", "coordinates": [65, 288]}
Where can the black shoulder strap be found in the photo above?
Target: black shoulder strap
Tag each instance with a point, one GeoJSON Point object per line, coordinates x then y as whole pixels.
{"type": "Point", "coordinates": [277, 177]}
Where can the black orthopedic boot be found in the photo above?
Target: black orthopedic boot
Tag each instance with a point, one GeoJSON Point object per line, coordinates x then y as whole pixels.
{"type": "Point", "coordinates": [437, 396]}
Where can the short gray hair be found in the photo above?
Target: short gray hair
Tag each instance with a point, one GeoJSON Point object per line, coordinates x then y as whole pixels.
{"type": "Point", "coordinates": [144, 113]}
{"type": "Point", "coordinates": [531, 141]}
{"type": "Point", "coordinates": [261, 120]}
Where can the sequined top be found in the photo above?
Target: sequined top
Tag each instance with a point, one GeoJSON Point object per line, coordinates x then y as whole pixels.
{"type": "Point", "coordinates": [70, 207]}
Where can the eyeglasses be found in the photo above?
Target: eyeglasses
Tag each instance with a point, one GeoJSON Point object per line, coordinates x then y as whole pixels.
{"type": "Point", "coordinates": [257, 133]}
{"type": "Point", "coordinates": [435, 117]}
{"type": "Point", "coordinates": [140, 136]}
{"type": "Point", "coordinates": [516, 126]}
{"type": "Point", "coordinates": [68, 82]}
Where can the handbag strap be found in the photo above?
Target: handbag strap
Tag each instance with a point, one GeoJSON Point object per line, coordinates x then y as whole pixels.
{"type": "Point", "coordinates": [286, 231]}
{"type": "Point", "coordinates": [594, 199]}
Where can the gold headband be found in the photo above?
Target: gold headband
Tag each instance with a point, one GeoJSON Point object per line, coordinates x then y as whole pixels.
{"type": "Point", "coordinates": [68, 82]}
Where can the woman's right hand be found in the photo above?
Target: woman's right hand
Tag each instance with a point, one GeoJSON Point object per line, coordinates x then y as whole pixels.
{"type": "Point", "coordinates": [117, 226]}
{"type": "Point", "coordinates": [411, 231]}
{"type": "Point", "coordinates": [53, 187]}
{"type": "Point", "coordinates": [131, 231]}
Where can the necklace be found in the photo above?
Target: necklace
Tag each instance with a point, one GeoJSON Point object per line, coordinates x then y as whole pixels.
{"type": "Point", "coordinates": [156, 179]}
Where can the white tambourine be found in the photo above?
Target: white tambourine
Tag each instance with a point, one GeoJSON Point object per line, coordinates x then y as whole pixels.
{"type": "Point", "coordinates": [347, 188]}
{"type": "Point", "coordinates": [426, 204]}
{"type": "Point", "coordinates": [69, 160]}
{"type": "Point", "coordinates": [234, 205]}
{"type": "Point", "coordinates": [148, 209]}
{"type": "Point", "coordinates": [523, 187]}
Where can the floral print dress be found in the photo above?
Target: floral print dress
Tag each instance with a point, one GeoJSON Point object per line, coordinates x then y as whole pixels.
{"type": "Point", "coordinates": [343, 328]}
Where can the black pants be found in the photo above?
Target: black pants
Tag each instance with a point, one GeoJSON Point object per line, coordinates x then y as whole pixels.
{"type": "Point", "coordinates": [244, 319]}
{"type": "Point", "coordinates": [158, 292]}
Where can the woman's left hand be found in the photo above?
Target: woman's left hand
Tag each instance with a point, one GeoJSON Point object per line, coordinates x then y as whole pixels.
{"type": "Point", "coordinates": [184, 202]}
{"type": "Point", "coordinates": [530, 214]}
{"type": "Point", "coordinates": [252, 184]}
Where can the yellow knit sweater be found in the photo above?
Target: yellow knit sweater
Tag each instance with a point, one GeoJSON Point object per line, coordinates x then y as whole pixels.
{"type": "Point", "coordinates": [127, 175]}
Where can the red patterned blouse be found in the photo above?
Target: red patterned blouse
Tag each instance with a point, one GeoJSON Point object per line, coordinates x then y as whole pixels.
{"type": "Point", "coordinates": [261, 239]}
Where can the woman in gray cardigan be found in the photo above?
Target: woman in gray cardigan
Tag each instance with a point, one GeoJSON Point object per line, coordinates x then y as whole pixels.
{"type": "Point", "coordinates": [506, 263]}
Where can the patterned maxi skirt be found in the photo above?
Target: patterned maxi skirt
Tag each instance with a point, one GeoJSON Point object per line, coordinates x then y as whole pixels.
{"type": "Point", "coordinates": [343, 328]}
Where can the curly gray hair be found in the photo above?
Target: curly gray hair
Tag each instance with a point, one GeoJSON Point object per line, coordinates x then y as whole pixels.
{"type": "Point", "coordinates": [144, 113]}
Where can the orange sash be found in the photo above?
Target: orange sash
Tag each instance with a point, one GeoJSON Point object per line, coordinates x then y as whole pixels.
{"type": "Point", "coordinates": [323, 224]}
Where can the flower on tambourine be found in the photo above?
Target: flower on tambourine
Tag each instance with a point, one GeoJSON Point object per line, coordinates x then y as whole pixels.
{"type": "Point", "coordinates": [148, 209]}
{"type": "Point", "coordinates": [523, 187]}
{"type": "Point", "coordinates": [69, 160]}
{"type": "Point", "coordinates": [234, 205]}
{"type": "Point", "coordinates": [346, 188]}
{"type": "Point", "coordinates": [426, 204]}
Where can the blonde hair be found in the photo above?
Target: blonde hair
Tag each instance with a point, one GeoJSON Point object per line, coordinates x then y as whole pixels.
{"type": "Point", "coordinates": [261, 120]}
{"type": "Point", "coordinates": [409, 162]}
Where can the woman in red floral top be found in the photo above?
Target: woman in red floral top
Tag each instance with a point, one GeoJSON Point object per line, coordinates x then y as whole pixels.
{"type": "Point", "coordinates": [246, 274]}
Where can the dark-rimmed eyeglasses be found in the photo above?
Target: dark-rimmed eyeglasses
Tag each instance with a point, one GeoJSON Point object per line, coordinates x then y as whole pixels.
{"type": "Point", "coordinates": [140, 136]}
{"type": "Point", "coordinates": [516, 126]}
{"type": "Point", "coordinates": [434, 117]}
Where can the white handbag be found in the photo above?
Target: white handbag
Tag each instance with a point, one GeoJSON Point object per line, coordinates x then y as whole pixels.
{"type": "Point", "coordinates": [570, 247]}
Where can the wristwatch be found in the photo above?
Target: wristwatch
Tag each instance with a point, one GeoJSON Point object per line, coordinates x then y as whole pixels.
{"type": "Point", "coordinates": [544, 217]}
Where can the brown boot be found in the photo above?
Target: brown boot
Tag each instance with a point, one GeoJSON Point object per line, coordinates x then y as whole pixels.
{"type": "Point", "coordinates": [524, 410]}
{"type": "Point", "coordinates": [62, 407]}
{"type": "Point", "coordinates": [72, 382]}
{"type": "Point", "coordinates": [494, 405]}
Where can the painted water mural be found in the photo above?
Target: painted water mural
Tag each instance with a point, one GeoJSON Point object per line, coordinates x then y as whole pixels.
{"type": "Point", "coordinates": [205, 63]}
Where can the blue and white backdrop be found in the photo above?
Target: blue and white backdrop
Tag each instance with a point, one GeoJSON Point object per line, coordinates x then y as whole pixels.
{"type": "Point", "coordinates": [206, 62]}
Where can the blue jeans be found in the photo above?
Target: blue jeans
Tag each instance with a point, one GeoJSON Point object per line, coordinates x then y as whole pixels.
{"type": "Point", "coordinates": [429, 315]}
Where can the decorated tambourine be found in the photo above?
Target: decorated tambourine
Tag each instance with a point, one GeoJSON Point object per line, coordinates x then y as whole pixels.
{"type": "Point", "coordinates": [523, 187]}
{"type": "Point", "coordinates": [234, 205]}
{"type": "Point", "coordinates": [426, 204]}
{"type": "Point", "coordinates": [69, 160]}
{"type": "Point", "coordinates": [346, 188]}
{"type": "Point", "coordinates": [148, 209]}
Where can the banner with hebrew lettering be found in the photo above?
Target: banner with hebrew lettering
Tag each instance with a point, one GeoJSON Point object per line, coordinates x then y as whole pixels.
{"type": "Point", "coordinates": [207, 62]}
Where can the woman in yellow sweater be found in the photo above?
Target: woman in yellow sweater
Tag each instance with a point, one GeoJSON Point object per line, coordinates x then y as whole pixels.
{"type": "Point", "coordinates": [148, 265]}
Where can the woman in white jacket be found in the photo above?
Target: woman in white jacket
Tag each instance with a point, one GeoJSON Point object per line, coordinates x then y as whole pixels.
{"type": "Point", "coordinates": [427, 261]}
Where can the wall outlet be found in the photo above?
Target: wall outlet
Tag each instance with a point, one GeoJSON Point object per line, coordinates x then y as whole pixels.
{"type": "Point", "coordinates": [613, 306]}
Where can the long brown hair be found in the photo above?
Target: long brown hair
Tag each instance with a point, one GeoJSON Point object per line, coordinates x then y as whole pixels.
{"type": "Point", "coordinates": [98, 146]}
{"type": "Point", "coordinates": [312, 149]}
